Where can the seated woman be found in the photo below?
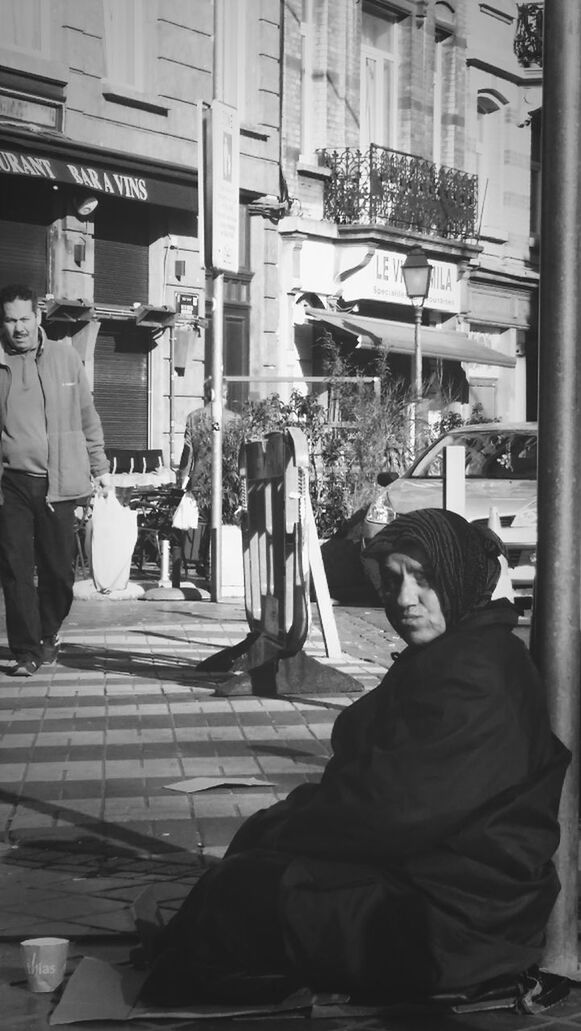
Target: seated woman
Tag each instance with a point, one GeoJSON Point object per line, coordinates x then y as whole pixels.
{"type": "Point", "coordinates": [421, 862]}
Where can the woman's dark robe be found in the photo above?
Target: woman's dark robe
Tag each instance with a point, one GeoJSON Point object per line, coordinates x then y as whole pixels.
{"type": "Point", "coordinates": [421, 863]}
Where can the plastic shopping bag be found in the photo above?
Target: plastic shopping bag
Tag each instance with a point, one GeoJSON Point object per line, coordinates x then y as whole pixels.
{"type": "Point", "coordinates": [185, 516]}
{"type": "Point", "coordinates": [112, 539]}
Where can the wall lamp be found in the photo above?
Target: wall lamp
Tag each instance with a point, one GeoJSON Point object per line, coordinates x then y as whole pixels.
{"type": "Point", "coordinates": [85, 206]}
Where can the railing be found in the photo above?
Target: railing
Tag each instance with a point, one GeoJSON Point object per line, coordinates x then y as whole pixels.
{"type": "Point", "coordinates": [528, 39]}
{"type": "Point", "coordinates": [388, 187]}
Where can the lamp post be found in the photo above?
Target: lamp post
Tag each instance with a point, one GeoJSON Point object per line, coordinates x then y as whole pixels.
{"type": "Point", "coordinates": [417, 273]}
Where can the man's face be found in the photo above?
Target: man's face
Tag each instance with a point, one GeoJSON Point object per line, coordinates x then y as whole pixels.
{"type": "Point", "coordinates": [20, 323]}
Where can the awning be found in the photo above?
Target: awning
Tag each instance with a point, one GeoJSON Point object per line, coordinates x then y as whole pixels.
{"type": "Point", "coordinates": [117, 175]}
{"type": "Point", "coordinates": [398, 337]}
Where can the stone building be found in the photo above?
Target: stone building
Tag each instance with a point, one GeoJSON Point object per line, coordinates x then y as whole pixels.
{"type": "Point", "coordinates": [367, 127]}
{"type": "Point", "coordinates": [410, 123]}
{"type": "Point", "coordinates": [99, 191]}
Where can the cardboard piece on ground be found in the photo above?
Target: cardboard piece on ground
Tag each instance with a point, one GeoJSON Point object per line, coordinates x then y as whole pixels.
{"type": "Point", "coordinates": [100, 991]}
{"type": "Point", "coordinates": [205, 783]}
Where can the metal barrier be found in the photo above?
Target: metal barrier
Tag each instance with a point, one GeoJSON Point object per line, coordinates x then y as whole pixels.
{"type": "Point", "coordinates": [281, 559]}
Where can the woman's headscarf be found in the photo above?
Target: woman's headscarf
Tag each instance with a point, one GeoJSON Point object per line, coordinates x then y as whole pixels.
{"type": "Point", "coordinates": [463, 557]}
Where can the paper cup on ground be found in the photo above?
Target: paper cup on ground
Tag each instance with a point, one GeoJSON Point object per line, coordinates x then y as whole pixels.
{"type": "Point", "coordinates": [45, 961]}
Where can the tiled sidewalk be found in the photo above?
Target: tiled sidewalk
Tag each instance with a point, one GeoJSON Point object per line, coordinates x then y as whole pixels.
{"type": "Point", "coordinates": [91, 744]}
{"type": "Point", "coordinates": [88, 749]}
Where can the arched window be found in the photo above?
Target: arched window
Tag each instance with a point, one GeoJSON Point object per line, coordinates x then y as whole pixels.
{"type": "Point", "coordinates": [491, 110]}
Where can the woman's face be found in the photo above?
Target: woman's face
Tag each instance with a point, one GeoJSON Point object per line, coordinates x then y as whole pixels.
{"type": "Point", "coordinates": [411, 603]}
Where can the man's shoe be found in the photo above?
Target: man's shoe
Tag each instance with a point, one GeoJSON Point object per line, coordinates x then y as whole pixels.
{"type": "Point", "coordinates": [50, 648]}
{"type": "Point", "coordinates": [25, 668]}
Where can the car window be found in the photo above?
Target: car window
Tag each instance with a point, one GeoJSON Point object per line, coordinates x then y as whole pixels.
{"type": "Point", "coordinates": [490, 455]}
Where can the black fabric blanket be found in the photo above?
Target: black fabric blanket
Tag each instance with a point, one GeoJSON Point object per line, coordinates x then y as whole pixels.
{"type": "Point", "coordinates": [421, 863]}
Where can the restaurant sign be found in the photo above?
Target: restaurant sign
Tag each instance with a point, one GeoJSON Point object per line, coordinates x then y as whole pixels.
{"type": "Point", "coordinates": [376, 275]}
{"type": "Point", "coordinates": [110, 181]}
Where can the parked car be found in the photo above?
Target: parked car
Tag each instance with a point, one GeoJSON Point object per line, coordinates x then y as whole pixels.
{"type": "Point", "coordinates": [501, 474]}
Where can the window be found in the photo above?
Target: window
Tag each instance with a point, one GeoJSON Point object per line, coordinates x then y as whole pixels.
{"type": "Point", "coordinates": [308, 143]}
{"type": "Point", "coordinates": [26, 26]}
{"type": "Point", "coordinates": [130, 49]}
{"type": "Point", "coordinates": [490, 157]}
{"type": "Point", "coordinates": [379, 79]}
{"type": "Point", "coordinates": [443, 79]}
{"type": "Point", "coordinates": [237, 56]}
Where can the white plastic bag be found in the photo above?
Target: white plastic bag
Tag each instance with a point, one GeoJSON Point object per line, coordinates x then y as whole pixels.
{"type": "Point", "coordinates": [185, 516]}
{"type": "Point", "coordinates": [113, 537]}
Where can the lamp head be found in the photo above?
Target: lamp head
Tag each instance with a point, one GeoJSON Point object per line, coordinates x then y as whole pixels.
{"type": "Point", "coordinates": [417, 273]}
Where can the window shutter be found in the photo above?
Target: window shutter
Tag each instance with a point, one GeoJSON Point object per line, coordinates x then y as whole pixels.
{"type": "Point", "coordinates": [120, 388]}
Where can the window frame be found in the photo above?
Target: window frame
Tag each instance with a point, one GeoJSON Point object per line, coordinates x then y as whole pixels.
{"type": "Point", "coordinates": [144, 51]}
{"type": "Point", "coordinates": [443, 44]}
{"type": "Point", "coordinates": [387, 135]}
{"type": "Point", "coordinates": [236, 30]}
{"type": "Point", "coordinates": [491, 105]}
{"type": "Point", "coordinates": [45, 48]}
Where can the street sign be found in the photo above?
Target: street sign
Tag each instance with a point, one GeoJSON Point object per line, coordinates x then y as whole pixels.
{"type": "Point", "coordinates": [225, 186]}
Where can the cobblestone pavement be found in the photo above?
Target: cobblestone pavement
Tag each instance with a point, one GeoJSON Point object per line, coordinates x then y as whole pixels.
{"type": "Point", "coordinates": [89, 747]}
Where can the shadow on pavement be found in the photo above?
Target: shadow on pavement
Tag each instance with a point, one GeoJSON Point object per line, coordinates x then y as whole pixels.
{"type": "Point", "coordinates": [155, 666]}
{"type": "Point", "coordinates": [98, 829]}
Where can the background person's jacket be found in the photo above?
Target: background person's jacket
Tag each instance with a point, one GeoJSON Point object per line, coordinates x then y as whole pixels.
{"type": "Point", "coordinates": [76, 447]}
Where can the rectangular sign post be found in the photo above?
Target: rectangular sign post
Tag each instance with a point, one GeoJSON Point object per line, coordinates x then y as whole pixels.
{"type": "Point", "coordinates": [219, 232]}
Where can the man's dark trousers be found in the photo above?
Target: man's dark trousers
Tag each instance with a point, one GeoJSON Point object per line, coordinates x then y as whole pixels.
{"type": "Point", "coordinates": [34, 534]}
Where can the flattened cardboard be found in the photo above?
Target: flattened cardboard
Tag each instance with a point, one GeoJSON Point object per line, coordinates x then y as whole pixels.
{"type": "Point", "coordinates": [100, 991]}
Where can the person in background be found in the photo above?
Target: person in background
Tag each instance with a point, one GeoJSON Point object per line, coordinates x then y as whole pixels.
{"type": "Point", "coordinates": [51, 443]}
{"type": "Point", "coordinates": [195, 468]}
{"type": "Point", "coordinates": [419, 867]}
{"type": "Point", "coordinates": [196, 457]}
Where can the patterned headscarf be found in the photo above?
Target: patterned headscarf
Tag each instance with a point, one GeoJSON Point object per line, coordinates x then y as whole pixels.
{"type": "Point", "coordinates": [463, 557]}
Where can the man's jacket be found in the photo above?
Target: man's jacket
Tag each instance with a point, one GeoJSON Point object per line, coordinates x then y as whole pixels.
{"type": "Point", "coordinates": [75, 436]}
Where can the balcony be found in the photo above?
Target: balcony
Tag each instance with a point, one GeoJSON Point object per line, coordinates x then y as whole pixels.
{"type": "Point", "coordinates": [387, 187]}
{"type": "Point", "coordinates": [528, 39]}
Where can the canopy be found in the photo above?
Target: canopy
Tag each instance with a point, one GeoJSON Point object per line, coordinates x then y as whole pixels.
{"type": "Point", "coordinates": [399, 338]}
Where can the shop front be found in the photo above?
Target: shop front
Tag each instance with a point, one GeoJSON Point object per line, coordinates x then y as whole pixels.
{"type": "Point", "coordinates": [85, 229]}
{"type": "Point", "coordinates": [356, 292]}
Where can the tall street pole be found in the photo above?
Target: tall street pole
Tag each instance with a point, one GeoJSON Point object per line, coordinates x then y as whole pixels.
{"type": "Point", "coordinates": [556, 627]}
{"type": "Point", "coordinates": [416, 273]}
{"type": "Point", "coordinates": [417, 376]}
{"type": "Point", "coordinates": [217, 416]}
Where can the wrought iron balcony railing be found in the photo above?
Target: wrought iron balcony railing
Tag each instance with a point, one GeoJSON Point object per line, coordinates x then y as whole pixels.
{"type": "Point", "coordinates": [387, 187]}
{"type": "Point", "coordinates": [528, 39]}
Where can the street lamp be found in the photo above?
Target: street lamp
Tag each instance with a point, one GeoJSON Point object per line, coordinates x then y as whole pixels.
{"type": "Point", "coordinates": [417, 273]}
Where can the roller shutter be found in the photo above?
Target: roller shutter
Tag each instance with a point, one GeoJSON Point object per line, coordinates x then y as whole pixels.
{"type": "Point", "coordinates": [24, 220]}
{"type": "Point", "coordinates": [121, 252]}
{"type": "Point", "coordinates": [121, 387]}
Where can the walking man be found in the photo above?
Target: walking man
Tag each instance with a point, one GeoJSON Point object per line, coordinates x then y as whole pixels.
{"type": "Point", "coordinates": [51, 442]}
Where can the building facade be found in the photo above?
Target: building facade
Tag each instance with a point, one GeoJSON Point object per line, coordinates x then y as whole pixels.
{"type": "Point", "coordinates": [410, 123]}
{"type": "Point", "coordinates": [367, 127]}
{"type": "Point", "coordinates": [99, 103]}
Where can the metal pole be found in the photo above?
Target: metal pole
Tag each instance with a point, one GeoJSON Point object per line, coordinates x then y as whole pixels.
{"type": "Point", "coordinates": [172, 457]}
{"type": "Point", "coordinates": [417, 375]}
{"type": "Point", "coordinates": [556, 629]}
{"type": "Point", "coordinates": [217, 419]}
